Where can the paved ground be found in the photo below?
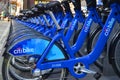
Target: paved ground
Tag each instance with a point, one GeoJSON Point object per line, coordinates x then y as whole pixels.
{"type": "Point", "coordinates": [4, 27]}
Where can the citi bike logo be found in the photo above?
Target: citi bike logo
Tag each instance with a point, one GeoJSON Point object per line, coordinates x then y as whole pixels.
{"type": "Point", "coordinates": [23, 50]}
{"type": "Point", "coordinates": [73, 24]}
{"type": "Point", "coordinates": [110, 23]}
{"type": "Point", "coordinates": [87, 25]}
{"type": "Point", "coordinates": [64, 23]}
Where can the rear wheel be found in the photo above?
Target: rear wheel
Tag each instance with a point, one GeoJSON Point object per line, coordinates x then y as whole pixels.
{"type": "Point", "coordinates": [10, 72]}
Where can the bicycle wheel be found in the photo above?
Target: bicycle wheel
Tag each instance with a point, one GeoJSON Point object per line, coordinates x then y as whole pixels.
{"type": "Point", "coordinates": [12, 73]}
{"type": "Point", "coordinates": [115, 56]}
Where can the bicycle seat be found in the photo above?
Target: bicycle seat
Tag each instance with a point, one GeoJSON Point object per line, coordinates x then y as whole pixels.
{"type": "Point", "coordinates": [37, 11]}
{"type": "Point", "coordinates": [57, 8]}
{"type": "Point", "coordinates": [24, 11]}
{"type": "Point", "coordinates": [34, 9]}
{"type": "Point", "coordinates": [30, 13]}
{"type": "Point", "coordinates": [24, 18]}
{"type": "Point", "coordinates": [51, 5]}
{"type": "Point", "coordinates": [20, 17]}
{"type": "Point", "coordinates": [65, 4]}
{"type": "Point", "coordinates": [76, 3]}
{"type": "Point", "coordinates": [40, 6]}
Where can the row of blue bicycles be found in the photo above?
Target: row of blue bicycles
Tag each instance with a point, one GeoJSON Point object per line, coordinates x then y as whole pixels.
{"type": "Point", "coordinates": [49, 42]}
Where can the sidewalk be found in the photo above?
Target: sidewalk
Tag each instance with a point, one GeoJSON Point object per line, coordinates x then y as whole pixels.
{"type": "Point", "coordinates": [4, 31]}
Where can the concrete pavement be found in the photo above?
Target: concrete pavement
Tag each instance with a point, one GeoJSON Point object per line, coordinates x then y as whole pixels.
{"type": "Point", "coordinates": [4, 31]}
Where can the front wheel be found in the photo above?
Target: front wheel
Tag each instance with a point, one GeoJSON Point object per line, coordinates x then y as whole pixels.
{"type": "Point", "coordinates": [12, 73]}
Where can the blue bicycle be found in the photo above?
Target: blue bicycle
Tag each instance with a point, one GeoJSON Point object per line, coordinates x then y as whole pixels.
{"type": "Point", "coordinates": [49, 59]}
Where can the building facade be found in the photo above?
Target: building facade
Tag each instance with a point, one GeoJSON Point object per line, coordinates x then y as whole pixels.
{"type": "Point", "coordinates": [17, 5]}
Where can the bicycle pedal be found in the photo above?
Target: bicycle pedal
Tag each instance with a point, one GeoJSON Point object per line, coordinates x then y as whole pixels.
{"type": "Point", "coordinates": [87, 71]}
{"type": "Point", "coordinates": [96, 74]}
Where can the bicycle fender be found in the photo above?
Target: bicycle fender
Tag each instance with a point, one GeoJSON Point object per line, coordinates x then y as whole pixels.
{"type": "Point", "coordinates": [35, 46]}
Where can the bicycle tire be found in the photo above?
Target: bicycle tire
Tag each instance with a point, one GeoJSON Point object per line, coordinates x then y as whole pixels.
{"type": "Point", "coordinates": [10, 74]}
{"type": "Point", "coordinates": [114, 54]}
